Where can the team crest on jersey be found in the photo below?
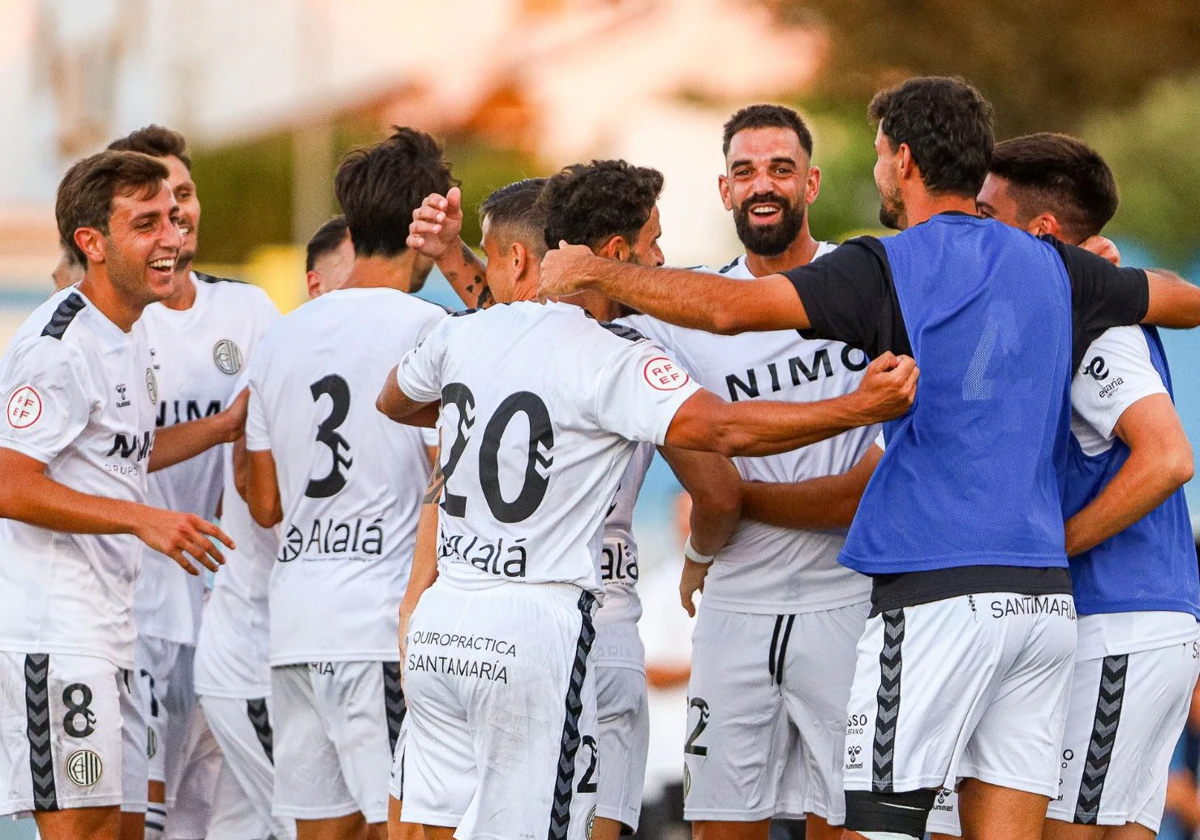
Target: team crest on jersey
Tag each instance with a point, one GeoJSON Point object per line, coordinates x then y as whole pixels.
{"type": "Point", "coordinates": [84, 768]}
{"type": "Point", "coordinates": [662, 374]}
{"type": "Point", "coordinates": [24, 407]}
{"type": "Point", "coordinates": [152, 386]}
{"type": "Point", "coordinates": [227, 356]}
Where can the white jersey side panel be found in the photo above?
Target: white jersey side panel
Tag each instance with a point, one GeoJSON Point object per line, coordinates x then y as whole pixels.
{"type": "Point", "coordinates": [80, 397]}
{"type": "Point", "coordinates": [617, 640]}
{"type": "Point", "coordinates": [540, 409]}
{"type": "Point", "coordinates": [765, 569]}
{"type": "Point", "coordinates": [231, 651]}
{"type": "Point", "coordinates": [198, 354]}
{"type": "Point", "coordinates": [351, 481]}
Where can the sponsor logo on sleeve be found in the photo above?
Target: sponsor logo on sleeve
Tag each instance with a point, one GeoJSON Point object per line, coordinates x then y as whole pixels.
{"type": "Point", "coordinates": [24, 407]}
{"type": "Point", "coordinates": [662, 374]}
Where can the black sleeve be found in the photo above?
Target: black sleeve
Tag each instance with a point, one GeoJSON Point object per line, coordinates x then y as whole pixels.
{"type": "Point", "coordinates": [849, 296]}
{"type": "Point", "coordinates": [1102, 296]}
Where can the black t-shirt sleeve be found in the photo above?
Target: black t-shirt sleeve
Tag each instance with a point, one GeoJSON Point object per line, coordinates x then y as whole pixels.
{"type": "Point", "coordinates": [849, 296]}
{"type": "Point", "coordinates": [1102, 295]}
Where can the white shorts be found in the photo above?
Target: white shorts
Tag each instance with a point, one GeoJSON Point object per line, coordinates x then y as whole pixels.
{"type": "Point", "coordinates": [767, 714]}
{"type": "Point", "coordinates": [243, 731]}
{"type": "Point", "coordinates": [233, 815]}
{"type": "Point", "coordinates": [502, 712]}
{"type": "Point", "coordinates": [135, 761]}
{"type": "Point", "coordinates": [973, 686]}
{"type": "Point", "coordinates": [335, 731]}
{"type": "Point", "coordinates": [165, 668]}
{"type": "Point", "coordinates": [61, 732]}
{"type": "Point", "coordinates": [1127, 713]}
{"type": "Point", "coordinates": [192, 786]}
{"type": "Point", "coordinates": [623, 730]}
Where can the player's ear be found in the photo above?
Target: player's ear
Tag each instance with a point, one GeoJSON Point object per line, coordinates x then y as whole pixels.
{"type": "Point", "coordinates": [906, 164]}
{"type": "Point", "coordinates": [314, 285]}
{"type": "Point", "coordinates": [615, 248]}
{"type": "Point", "coordinates": [1044, 223]}
{"type": "Point", "coordinates": [812, 184]}
{"type": "Point", "coordinates": [92, 242]}
{"type": "Point", "coordinates": [726, 195]}
{"type": "Point", "coordinates": [519, 255]}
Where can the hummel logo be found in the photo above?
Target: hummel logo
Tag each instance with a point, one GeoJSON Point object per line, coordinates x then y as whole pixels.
{"type": "Point", "coordinates": [122, 400]}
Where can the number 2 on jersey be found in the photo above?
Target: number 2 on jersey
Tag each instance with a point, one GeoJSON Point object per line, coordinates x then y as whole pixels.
{"type": "Point", "coordinates": [337, 390]}
{"type": "Point", "coordinates": [541, 442]}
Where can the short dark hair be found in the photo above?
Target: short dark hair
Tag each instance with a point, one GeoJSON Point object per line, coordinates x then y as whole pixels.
{"type": "Point", "coordinates": [86, 192]}
{"type": "Point", "coordinates": [156, 141]}
{"type": "Point", "coordinates": [380, 187]}
{"type": "Point", "coordinates": [948, 126]}
{"type": "Point", "coordinates": [767, 116]}
{"type": "Point", "coordinates": [589, 203]}
{"type": "Point", "coordinates": [1059, 174]}
{"type": "Point", "coordinates": [326, 240]}
{"type": "Point", "coordinates": [518, 209]}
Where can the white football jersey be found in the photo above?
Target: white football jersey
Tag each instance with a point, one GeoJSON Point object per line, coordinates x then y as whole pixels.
{"type": "Point", "coordinates": [540, 409]}
{"type": "Point", "coordinates": [1116, 373]}
{"type": "Point", "coordinates": [198, 353]}
{"type": "Point", "coordinates": [765, 569]}
{"type": "Point", "coordinates": [80, 397]}
{"type": "Point", "coordinates": [231, 650]}
{"type": "Point", "coordinates": [617, 640]}
{"type": "Point", "coordinates": [351, 481]}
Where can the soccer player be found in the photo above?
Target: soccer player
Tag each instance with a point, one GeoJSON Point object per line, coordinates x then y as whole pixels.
{"type": "Point", "coordinates": [68, 271]}
{"type": "Point", "coordinates": [199, 338]}
{"type": "Point", "coordinates": [329, 257]}
{"type": "Point", "coordinates": [347, 486]}
{"type": "Point", "coordinates": [1133, 560]}
{"type": "Point", "coordinates": [965, 501]}
{"type": "Point", "coordinates": [774, 647]}
{"type": "Point", "coordinates": [603, 205]}
{"type": "Point", "coordinates": [77, 440]}
{"type": "Point", "coordinates": [503, 638]}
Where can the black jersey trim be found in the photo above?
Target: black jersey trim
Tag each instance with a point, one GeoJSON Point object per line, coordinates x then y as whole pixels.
{"type": "Point", "coordinates": [727, 268]}
{"type": "Point", "coordinates": [564, 784]}
{"type": "Point", "coordinates": [622, 331]}
{"type": "Point", "coordinates": [37, 729]}
{"type": "Point", "coordinates": [1104, 737]}
{"type": "Point", "coordinates": [393, 701]}
{"type": "Point", "coordinates": [889, 592]}
{"type": "Point", "coordinates": [64, 315]}
{"type": "Point", "coordinates": [260, 719]}
{"type": "Point", "coordinates": [212, 278]}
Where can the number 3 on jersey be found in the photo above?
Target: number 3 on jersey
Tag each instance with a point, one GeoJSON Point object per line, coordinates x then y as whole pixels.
{"type": "Point", "coordinates": [541, 442]}
{"type": "Point", "coordinates": [337, 390]}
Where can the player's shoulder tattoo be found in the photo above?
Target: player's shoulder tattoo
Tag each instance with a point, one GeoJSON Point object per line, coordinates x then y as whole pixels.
{"type": "Point", "coordinates": [63, 315]}
{"type": "Point", "coordinates": [622, 331]}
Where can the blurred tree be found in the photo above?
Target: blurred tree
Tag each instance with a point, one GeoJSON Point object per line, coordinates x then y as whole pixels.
{"type": "Point", "coordinates": [1153, 153]}
{"type": "Point", "coordinates": [1043, 65]}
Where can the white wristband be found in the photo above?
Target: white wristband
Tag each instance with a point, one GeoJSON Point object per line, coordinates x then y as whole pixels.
{"type": "Point", "coordinates": [690, 552]}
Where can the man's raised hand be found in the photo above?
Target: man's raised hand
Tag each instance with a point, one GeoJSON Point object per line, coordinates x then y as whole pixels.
{"type": "Point", "coordinates": [436, 224]}
{"type": "Point", "coordinates": [563, 270]}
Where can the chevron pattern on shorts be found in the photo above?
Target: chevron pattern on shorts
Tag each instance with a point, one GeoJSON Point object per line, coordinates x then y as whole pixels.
{"type": "Point", "coordinates": [1104, 737]}
{"type": "Point", "coordinates": [887, 713]}
{"type": "Point", "coordinates": [393, 701]}
{"type": "Point", "coordinates": [37, 723]}
{"type": "Point", "coordinates": [564, 784]}
{"type": "Point", "coordinates": [260, 719]}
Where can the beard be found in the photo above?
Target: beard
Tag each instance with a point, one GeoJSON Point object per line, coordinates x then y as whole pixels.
{"type": "Point", "coordinates": [768, 240]}
{"type": "Point", "coordinates": [891, 210]}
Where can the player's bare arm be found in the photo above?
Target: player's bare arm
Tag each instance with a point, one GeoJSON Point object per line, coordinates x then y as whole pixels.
{"type": "Point", "coordinates": [28, 495]}
{"type": "Point", "coordinates": [396, 405]}
{"type": "Point", "coordinates": [424, 571]}
{"type": "Point", "coordinates": [182, 441]}
{"type": "Point", "coordinates": [714, 484]}
{"type": "Point", "coordinates": [764, 427]}
{"type": "Point", "coordinates": [826, 502]}
{"type": "Point", "coordinates": [1174, 302]}
{"type": "Point", "coordinates": [435, 232]}
{"type": "Point", "coordinates": [679, 296]}
{"type": "Point", "coordinates": [262, 495]}
{"type": "Point", "coordinates": [1159, 463]}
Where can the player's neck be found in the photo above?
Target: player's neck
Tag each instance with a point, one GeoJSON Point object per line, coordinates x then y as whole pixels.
{"type": "Point", "coordinates": [183, 294]}
{"type": "Point", "coordinates": [800, 252]}
{"type": "Point", "coordinates": [922, 206]}
{"type": "Point", "coordinates": [382, 273]}
{"type": "Point", "coordinates": [103, 295]}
